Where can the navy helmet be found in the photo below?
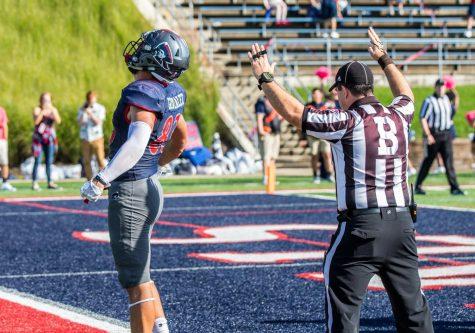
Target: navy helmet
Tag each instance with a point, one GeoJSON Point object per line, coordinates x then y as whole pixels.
{"type": "Point", "coordinates": [161, 52]}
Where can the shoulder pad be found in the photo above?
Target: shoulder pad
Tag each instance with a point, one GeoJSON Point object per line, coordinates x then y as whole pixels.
{"type": "Point", "coordinates": [143, 95]}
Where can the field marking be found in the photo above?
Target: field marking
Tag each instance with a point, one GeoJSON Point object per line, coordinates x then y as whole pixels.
{"type": "Point", "coordinates": [64, 311]}
{"type": "Point", "coordinates": [162, 270]}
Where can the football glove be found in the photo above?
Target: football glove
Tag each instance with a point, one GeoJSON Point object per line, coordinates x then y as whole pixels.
{"type": "Point", "coordinates": [90, 191]}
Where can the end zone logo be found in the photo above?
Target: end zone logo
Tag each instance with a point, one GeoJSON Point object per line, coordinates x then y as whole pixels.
{"type": "Point", "coordinates": [442, 271]}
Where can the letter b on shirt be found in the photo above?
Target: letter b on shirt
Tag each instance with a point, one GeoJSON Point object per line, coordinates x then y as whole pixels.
{"type": "Point", "coordinates": [387, 132]}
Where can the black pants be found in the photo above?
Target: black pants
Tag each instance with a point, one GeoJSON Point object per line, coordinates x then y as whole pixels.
{"type": "Point", "coordinates": [382, 244]}
{"type": "Point", "coordinates": [442, 145]}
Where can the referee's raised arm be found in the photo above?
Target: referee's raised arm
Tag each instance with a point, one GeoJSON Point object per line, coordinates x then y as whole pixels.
{"type": "Point", "coordinates": [283, 102]}
{"type": "Point", "coordinates": [397, 82]}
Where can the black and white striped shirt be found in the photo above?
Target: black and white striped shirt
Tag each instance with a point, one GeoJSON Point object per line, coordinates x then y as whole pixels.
{"type": "Point", "coordinates": [438, 113]}
{"type": "Point", "coordinates": [369, 146]}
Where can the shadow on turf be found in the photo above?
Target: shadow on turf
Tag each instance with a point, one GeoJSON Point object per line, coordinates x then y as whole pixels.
{"type": "Point", "coordinates": [380, 325]}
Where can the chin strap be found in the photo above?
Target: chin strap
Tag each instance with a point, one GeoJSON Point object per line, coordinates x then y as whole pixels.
{"type": "Point", "coordinates": [141, 301]}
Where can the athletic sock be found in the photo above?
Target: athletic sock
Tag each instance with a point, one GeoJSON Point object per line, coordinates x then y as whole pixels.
{"type": "Point", "coordinates": [5, 180]}
{"type": "Point", "coordinates": [160, 326]}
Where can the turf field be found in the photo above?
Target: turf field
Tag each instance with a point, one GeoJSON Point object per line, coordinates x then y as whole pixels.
{"type": "Point", "coordinates": [224, 263]}
{"type": "Point", "coordinates": [439, 194]}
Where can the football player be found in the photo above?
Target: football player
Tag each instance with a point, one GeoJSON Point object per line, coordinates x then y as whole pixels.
{"type": "Point", "coordinates": [149, 131]}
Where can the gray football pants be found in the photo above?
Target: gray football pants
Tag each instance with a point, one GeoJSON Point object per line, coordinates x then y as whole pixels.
{"type": "Point", "coordinates": [134, 206]}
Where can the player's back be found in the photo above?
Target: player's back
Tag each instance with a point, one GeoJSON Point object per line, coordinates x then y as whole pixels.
{"type": "Point", "coordinates": [167, 102]}
{"type": "Point", "coordinates": [371, 158]}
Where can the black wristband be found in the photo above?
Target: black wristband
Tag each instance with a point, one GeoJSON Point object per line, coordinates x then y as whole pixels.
{"type": "Point", "coordinates": [102, 181]}
{"type": "Point", "coordinates": [385, 60]}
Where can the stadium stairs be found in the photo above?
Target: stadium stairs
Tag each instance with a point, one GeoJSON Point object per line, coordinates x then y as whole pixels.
{"type": "Point", "coordinates": [223, 30]}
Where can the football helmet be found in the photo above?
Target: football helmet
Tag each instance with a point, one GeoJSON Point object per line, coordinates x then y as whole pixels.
{"type": "Point", "coordinates": [161, 52]}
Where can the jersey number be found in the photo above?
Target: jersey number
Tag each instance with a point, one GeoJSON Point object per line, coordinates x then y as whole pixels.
{"type": "Point", "coordinates": [157, 145]}
{"type": "Point", "coordinates": [387, 132]}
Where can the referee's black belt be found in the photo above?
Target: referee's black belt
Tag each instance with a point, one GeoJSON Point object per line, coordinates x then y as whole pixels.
{"type": "Point", "coordinates": [369, 211]}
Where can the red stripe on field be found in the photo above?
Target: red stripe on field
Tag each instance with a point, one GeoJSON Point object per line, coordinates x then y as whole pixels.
{"type": "Point", "coordinates": [248, 213]}
{"type": "Point", "coordinates": [59, 209]}
{"type": "Point", "coordinates": [470, 306]}
{"type": "Point", "coordinates": [15, 317]}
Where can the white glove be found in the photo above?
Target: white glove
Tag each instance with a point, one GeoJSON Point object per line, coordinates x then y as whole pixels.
{"type": "Point", "coordinates": [91, 191]}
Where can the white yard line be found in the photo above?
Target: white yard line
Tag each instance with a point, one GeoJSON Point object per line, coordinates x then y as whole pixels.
{"type": "Point", "coordinates": [162, 270]}
{"type": "Point", "coordinates": [64, 311]}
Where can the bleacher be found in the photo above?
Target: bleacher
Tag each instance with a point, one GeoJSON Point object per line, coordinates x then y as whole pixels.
{"type": "Point", "coordinates": [227, 28]}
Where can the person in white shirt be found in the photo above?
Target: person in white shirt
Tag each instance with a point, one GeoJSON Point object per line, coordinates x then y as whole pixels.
{"type": "Point", "coordinates": [90, 118]}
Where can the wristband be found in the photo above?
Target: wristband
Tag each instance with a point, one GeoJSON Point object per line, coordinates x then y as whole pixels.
{"type": "Point", "coordinates": [385, 60]}
{"type": "Point", "coordinates": [101, 180]}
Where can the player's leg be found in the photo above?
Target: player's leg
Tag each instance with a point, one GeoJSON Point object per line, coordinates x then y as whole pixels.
{"type": "Point", "coordinates": [134, 206]}
{"type": "Point", "coordinates": [401, 279]}
{"type": "Point", "coordinates": [38, 155]}
{"type": "Point", "coordinates": [325, 150]}
{"type": "Point", "coordinates": [99, 152]}
{"type": "Point", "coordinates": [446, 152]}
{"type": "Point", "coordinates": [430, 153]}
{"type": "Point", "coordinates": [49, 157]}
{"type": "Point", "coordinates": [347, 274]}
{"type": "Point", "coordinates": [86, 158]}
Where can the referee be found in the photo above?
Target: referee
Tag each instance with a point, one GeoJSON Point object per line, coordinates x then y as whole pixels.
{"type": "Point", "coordinates": [436, 120]}
{"type": "Point", "coordinates": [375, 234]}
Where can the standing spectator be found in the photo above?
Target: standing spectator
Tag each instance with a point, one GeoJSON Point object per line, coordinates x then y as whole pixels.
{"type": "Point", "coordinates": [436, 120]}
{"type": "Point", "coordinates": [6, 186]}
{"type": "Point", "coordinates": [280, 10]}
{"type": "Point", "coordinates": [90, 118]}
{"type": "Point", "coordinates": [45, 116]}
{"type": "Point", "coordinates": [470, 15]}
{"type": "Point", "coordinates": [319, 149]}
{"type": "Point", "coordinates": [268, 129]}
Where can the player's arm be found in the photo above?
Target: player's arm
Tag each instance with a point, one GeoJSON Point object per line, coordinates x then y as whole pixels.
{"type": "Point", "coordinates": [56, 116]}
{"type": "Point", "coordinates": [140, 129]}
{"type": "Point", "coordinates": [260, 124]}
{"type": "Point", "coordinates": [37, 115]}
{"type": "Point", "coordinates": [176, 145]}
{"type": "Point", "coordinates": [284, 103]}
{"type": "Point", "coordinates": [397, 82]}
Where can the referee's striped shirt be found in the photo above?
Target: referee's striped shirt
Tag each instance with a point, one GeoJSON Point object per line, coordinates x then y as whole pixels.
{"type": "Point", "coordinates": [438, 113]}
{"type": "Point", "coordinates": [369, 147]}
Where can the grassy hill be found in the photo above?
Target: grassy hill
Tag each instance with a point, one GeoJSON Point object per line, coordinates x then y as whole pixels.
{"type": "Point", "coordinates": [68, 48]}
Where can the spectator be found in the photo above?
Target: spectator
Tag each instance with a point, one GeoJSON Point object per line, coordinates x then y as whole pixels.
{"type": "Point", "coordinates": [268, 129]}
{"type": "Point", "coordinates": [327, 10]}
{"type": "Point", "coordinates": [280, 10]}
{"type": "Point", "coordinates": [400, 5]}
{"type": "Point", "coordinates": [90, 118]}
{"type": "Point", "coordinates": [45, 116]}
{"type": "Point", "coordinates": [319, 149]}
{"type": "Point", "coordinates": [6, 186]}
{"type": "Point", "coordinates": [470, 15]}
{"type": "Point", "coordinates": [436, 121]}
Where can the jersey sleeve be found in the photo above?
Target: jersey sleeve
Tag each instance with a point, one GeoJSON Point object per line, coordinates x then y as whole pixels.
{"type": "Point", "coordinates": [329, 124]}
{"type": "Point", "coordinates": [142, 97]}
{"type": "Point", "coordinates": [426, 109]}
{"type": "Point", "coordinates": [403, 105]}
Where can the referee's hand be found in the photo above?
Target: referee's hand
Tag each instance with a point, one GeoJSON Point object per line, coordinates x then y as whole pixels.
{"type": "Point", "coordinates": [259, 61]}
{"type": "Point", "coordinates": [376, 47]}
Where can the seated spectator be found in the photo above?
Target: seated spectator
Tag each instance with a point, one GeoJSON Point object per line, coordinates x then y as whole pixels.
{"type": "Point", "coordinates": [400, 5]}
{"type": "Point", "coordinates": [470, 15]}
{"type": "Point", "coordinates": [280, 10]}
{"type": "Point", "coordinates": [327, 10]}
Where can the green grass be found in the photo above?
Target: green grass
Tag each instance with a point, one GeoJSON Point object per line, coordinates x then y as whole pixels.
{"type": "Point", "coordinates": [203, 184]}
{"type": "Point", "coordinates": [70, 47]}
{"type": "Point", "coordinates": [467, 103]}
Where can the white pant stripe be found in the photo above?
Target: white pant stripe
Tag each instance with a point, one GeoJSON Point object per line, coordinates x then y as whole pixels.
{"type": "Point", "coordinates": [326, 272]}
